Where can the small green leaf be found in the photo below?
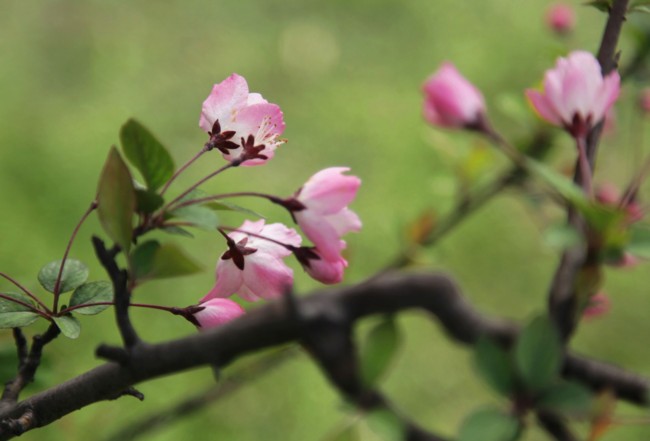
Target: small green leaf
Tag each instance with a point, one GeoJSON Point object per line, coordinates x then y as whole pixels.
{"type": "Point", "coordinates": [562, 236]}
{"type": "Point", "coordinates": [386, 424]}
{"type": "Point", "coordinates": [639, 244]}
{"type": "Point", "coordinates": [116, 200]}
{"type": "Point", "coordinates": [74, 274]}
{"type": "Point", "coordinates": [148, 201]}
{"type": "Point", "coordinates": [347, 433]}
{"type": "Point", "coordinates": [177, 231]}
{"type": "Point", "coordinates": [201, 217]}
{"type": "Point", "coordinates": [68, 325]}
{"type": "Point", "coordinates": [489, 424]}
{"type": "Point", "coordinates": [494, 365]}
{"type": "Point", "coordinates": [92, 292]}
{"type": "Point", "coordinates": [15, 315]}
{"type": "Point", "coordinates": [227, 206]}
{"type": "Point", "coordinates": [142, 258]}
{"type": "Point", "coordinates": [147, 154]}
{"type": "Point", "coordinates": [640, 8]}
{"type": "Point", "coordinates": [379, 350]}
{"type": "Point", "coordinates": [151, 260]}
{"type": "Point", "coordinates": [566, 397]}
{"type": "Point", "coordinates": [538, 354]}
{"type": "Point", "coordinates": [601, 5]}
{"type": "Point", "coordinates": [560, 183]}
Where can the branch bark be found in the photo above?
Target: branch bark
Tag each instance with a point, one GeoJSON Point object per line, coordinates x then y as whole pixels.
{"type": "Point", "coordinates": [281, 322]}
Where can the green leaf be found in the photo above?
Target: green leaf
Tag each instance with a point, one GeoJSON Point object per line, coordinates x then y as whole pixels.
{"type": "Point", "coordinates": [379, 350]}
{"type": "Point", "coordinates": [489, 424]}
{"type": "Point", "coordinates": [151, 260]}
{"type": "Point", "coordinates": [147, 154]}
{"type": "Point", "coordinates": [15, 315]}
{"type": "Point", "coordinates": [566, 397]}
{"type": "Point", "coordinates": [562, 236]}
{"type": "Point", "coordinates": [494, 365]}
{"type": "Point", "coordinates": [68, 325]}
{"type": "Point", "coordinates": [227, 206]}
{"type": "Point", "coordinates": [639, 244]}
{"type": "Point", "coordinates": [601, 5]}
{"type": "Point", "coordinates": [92, 292]}
{"type": "Point", "coordinates": [640, 8]}
{"type": "Point", "coordinates": [201, 217]}
{"type": "Point", "coordinates": [538, 354]}
{"type": "Point", "coordinates": [386, 424]}
{"type": "Point", "coordinates": [560, 183]}
{"type": "Point", "coordinates": [74, 274]}
{"type": "Point", "coordinates": [176, 231]}
{"type": "Point", "coordinates": [116, 200]}
{"type": "Point", "coordinates": [148, 201]}
{"type": "Point", "coordinates": [347, 433]}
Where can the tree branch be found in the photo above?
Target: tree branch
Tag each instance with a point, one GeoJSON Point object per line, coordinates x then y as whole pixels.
{"type": "Point", "coordinates": [277, 323]}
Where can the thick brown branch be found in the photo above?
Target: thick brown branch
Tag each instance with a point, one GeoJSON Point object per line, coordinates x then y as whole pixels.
{"type": "Point", "coordinates": [276, 324]}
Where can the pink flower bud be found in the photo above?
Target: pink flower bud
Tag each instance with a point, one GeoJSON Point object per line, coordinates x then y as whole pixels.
{"type": "Point", "coordinates": [253, 267]}
{"type": "Point", "coordinates": [560, 18]}
{"type": "Point", "coordinates": [320, 209]}
{"type": "Point", "coordinates": [451, 101]}
{"type": "Point", "coordinates": [576, 96]}
{"type": "Point", "coordinates": [599, 305]}
{"type": "Point", "coordinates": [325, 271]}
{"type": "Point", "coordinates": [216, 312]}
{"type": "Point", "coordinates": [241, 125]}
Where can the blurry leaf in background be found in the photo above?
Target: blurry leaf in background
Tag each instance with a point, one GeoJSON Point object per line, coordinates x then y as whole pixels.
{"type": "Point", "coordinates": [147, 154]}
{"type": "Point", "coordinates": [198, 216]}
{"type": "Point", "coordinates": [116, 200]}
{"type": "Point", "coordinates": [386, 424]}
{"type": "Point", "coordinates": [379, 350]}
{"type": "Point", "coordinates": [148, 201]}
{"type": "Point", "coordinates": [567, 398]}
{"type": "Point", "coordinates": [495, 366]}
{"type": "Point", "coordinates": [561, 236]}
{"type": "Point", "coordinates": [489, 424]}
{"type": "Point", "coordinates": [74, 274]}
{"type": "Point", "coordinates": [538, 354]}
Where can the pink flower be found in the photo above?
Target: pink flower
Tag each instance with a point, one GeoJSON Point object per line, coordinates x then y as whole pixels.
{"type": "Point", "coordinates": [253, 266]}
{"type": "Point", "coordinates": [575, 96]}
{"type": "Point", "coordinates": [451, 101]}
{"type": "Point", "coordinates": [320, 209]}
{"type": "Point", "coordinates": [560, 18]}
{"type": "Point", "coordinates": [241, 125]}
{"type": "Point", "coordinates": [216, 312]}
{"type": "Point", "coordinates": [325, 271]}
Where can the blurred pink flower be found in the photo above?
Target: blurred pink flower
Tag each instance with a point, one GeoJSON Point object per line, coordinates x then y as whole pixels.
{"type": "Point", "coordinates": [216, 312]}
{"type": "Point", "coordinates": [253, 266]}
{"type": "Point", "coordinates": [241, 124]}
{"type": "Point", "coordinates": [320, 209]}
{"type": "Point", "coordinates": [325, 271]}
{"type": "Point", "coordinates": [599, 305]}
{"type": "Point", "coordinates": [451, 101]}
{"type": "Point", "coordinates": [575, 94]}
{"type": "Point", "coordinates": [644, 100]}
{"type": "Point", "coordinates": [560, 18]}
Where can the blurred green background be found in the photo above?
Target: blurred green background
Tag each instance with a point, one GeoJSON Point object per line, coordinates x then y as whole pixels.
{"type": "Point", "coordinates": [347, 74]}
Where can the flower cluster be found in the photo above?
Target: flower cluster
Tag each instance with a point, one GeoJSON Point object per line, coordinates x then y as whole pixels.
{"type": "Point", "coordinates": [253, 265]}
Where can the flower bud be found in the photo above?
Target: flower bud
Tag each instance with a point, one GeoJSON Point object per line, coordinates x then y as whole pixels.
{"type": "Point", "coordinates": [560, 18]}
{"type": "Point", "coordinates": [451, 101]}
{"type": "Point", "coordinates": [216, 312]}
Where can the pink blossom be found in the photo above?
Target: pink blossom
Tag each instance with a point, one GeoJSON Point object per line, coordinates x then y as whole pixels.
{"type": "Point", "coordinates": [451, 101]}
{"type": "Point", "coordinates": [241, 125]}
{"type": "Point", "coordinates": [561, 18]}
{"type": "Point", "coordinates": [320, 209]}
{"type": "Point", "coordinates": [575, 95]}
{"type": "Point", "coordinates": [599, 305]}
{"type": "Point", "coordinates": [216, 312]}
{"type": "Point", "coordinates": [325, 271]}
{"type": "Point", "coordinates": [253, 266]}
